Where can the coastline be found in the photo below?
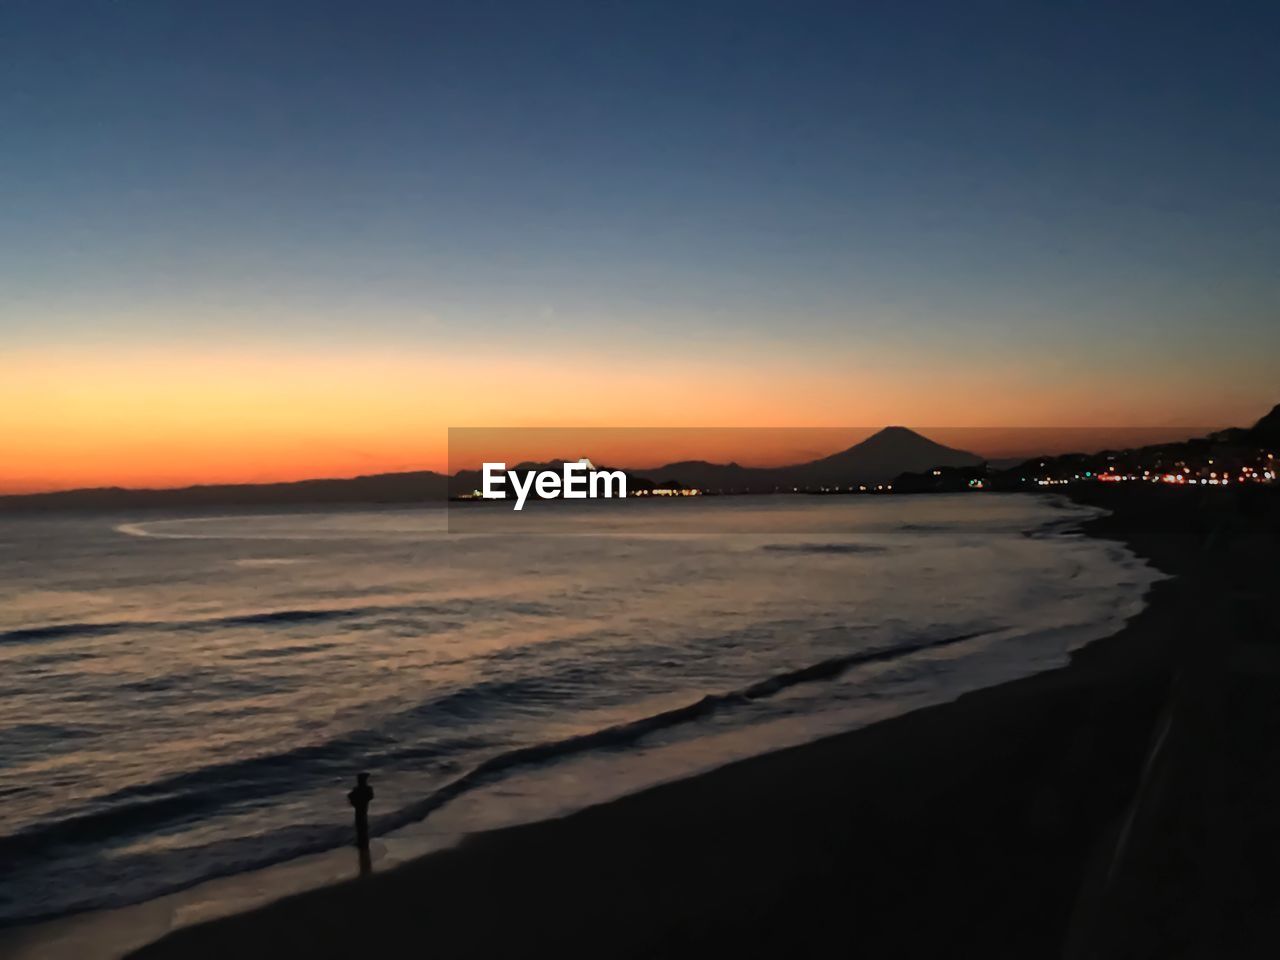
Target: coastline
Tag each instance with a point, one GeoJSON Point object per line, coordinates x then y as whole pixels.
{"type": "Point", "coordinates": [969, 826]}
{"type": "Point", "coordinates": [987, 815]}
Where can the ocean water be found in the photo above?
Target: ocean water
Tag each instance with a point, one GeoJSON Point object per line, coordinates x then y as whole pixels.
{"type": "Point", "coordinates": [188, 697]}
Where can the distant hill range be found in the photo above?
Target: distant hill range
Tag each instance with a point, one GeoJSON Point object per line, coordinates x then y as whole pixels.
{"type": "Point", "coordinates": [1236, 452]}
{"type": "Point", "coordinates": [1228, 450]}
{"type": "Point", "coordinates": [1266, 432]}
{"type": "Point", "coordinates": [414, 487]}
{"type": "Point", "coordinates": [913, 463]}
{"type": "Point", "coordinates": [877, 459]}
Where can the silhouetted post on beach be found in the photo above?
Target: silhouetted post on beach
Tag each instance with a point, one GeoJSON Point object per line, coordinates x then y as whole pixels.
{"type": "Point", "coordinates": [360, 798]}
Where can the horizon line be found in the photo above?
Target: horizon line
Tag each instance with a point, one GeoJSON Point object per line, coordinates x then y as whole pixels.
{"type": "Point", "coordinates": [1192, 432]}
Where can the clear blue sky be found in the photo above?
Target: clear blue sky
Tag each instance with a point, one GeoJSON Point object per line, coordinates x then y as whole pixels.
{"type": "Point", "coordinates": [1087, 189]}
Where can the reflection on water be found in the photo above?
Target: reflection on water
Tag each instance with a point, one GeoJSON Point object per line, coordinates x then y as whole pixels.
{"type": "Point", "coordinates": [189, 697]}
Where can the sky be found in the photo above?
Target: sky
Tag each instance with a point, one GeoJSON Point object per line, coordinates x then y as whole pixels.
{"type": "Point", "coordinates": [272, 240]}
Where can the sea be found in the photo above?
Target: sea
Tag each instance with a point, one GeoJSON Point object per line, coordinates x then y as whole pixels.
{"type": "Point", "coordinates": [185, 699]}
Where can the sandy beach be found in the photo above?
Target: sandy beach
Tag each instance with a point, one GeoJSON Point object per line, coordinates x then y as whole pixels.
{"type": "Point", "coordinates": [1087, 811]}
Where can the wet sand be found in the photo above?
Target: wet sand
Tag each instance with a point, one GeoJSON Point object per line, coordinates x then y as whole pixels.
{"type": "Point", "coordinates": [1110, 808]}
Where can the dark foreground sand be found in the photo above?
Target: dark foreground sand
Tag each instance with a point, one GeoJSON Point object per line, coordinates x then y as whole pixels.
{"type": "Point", "coordinates": [1125, 806]}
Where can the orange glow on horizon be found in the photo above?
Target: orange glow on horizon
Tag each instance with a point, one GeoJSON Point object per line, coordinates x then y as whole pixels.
{"type": "Point", "coordinates": [161, 417]}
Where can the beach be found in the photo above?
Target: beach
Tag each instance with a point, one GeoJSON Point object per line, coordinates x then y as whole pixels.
{"type": "Point", "coordinates": [1022, 820]}
{"type": "Point", "coordinates": [216, 689]}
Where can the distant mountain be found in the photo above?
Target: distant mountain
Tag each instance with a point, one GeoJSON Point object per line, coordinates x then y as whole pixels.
{"type": "Point", "coordinates": [412, 487]}
{"type": "Point", "coordinates": [880, 457]}
{"type": "Point", "coordinates": [1005, 463]}
{"type": "Point", "coordinates": [1267, 430]}
{"type": "Point", "coordinates": [708, 476]}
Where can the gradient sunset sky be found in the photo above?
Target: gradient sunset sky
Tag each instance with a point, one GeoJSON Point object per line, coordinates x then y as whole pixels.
{"type": "Point", "coordinates": [273, 240]}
